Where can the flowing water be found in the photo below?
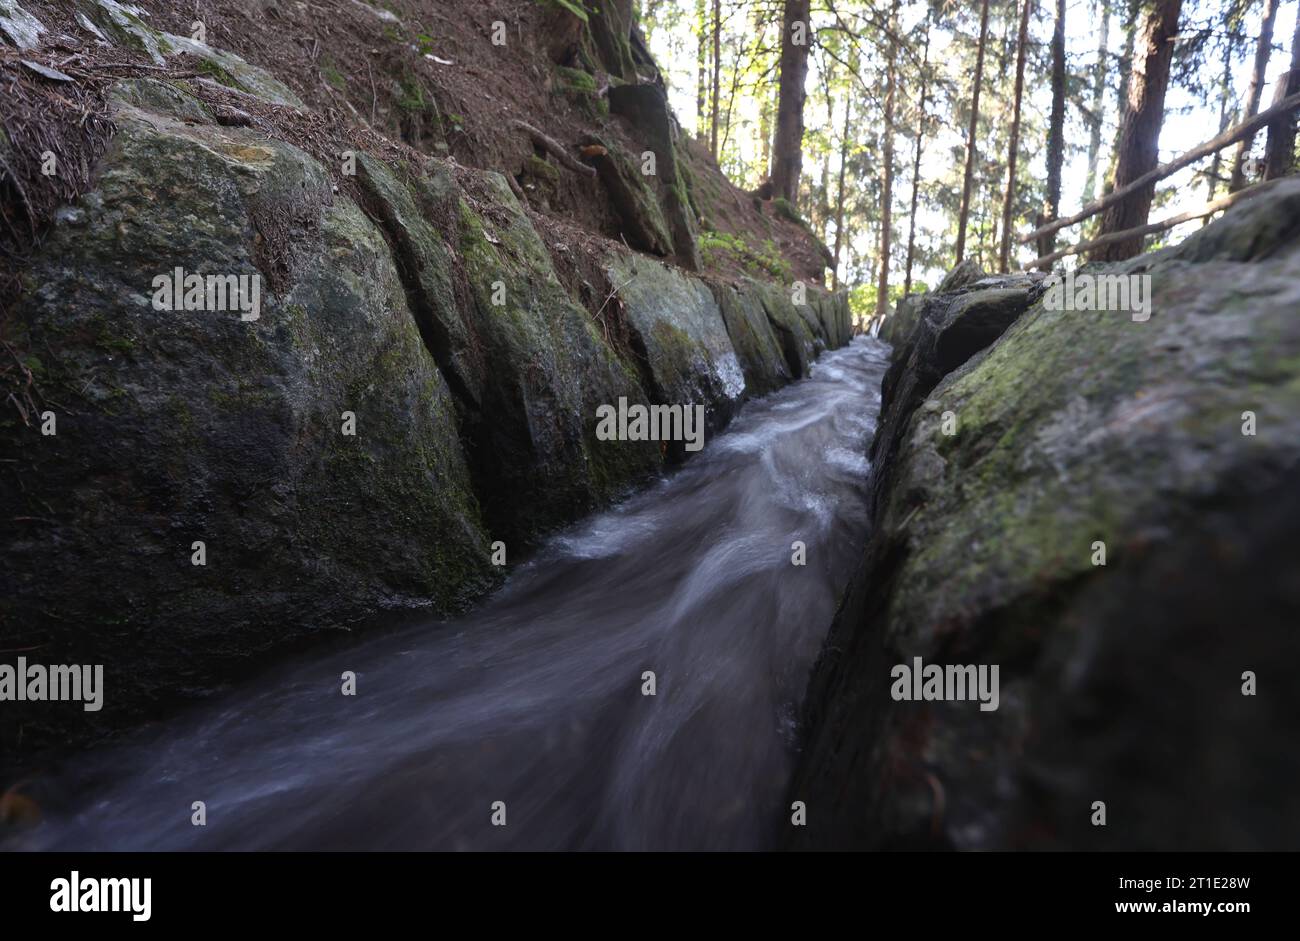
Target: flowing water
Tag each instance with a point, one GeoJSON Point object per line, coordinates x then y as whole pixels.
{"type": "Point", "coordinates": [537, 697]}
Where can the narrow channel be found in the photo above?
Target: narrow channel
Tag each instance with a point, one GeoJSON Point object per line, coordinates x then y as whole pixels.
{"type": "Point", "coordinates": [535, 707]}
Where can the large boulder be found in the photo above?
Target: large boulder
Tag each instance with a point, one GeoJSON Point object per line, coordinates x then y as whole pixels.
{"type": "Point", "coordinates": [798, 342]}
{"type": "Point", "coordinates": [532, 438]}
{"type": "Point", "coordinates": [173, 427]}
{"type": "Point", "coordinates": [1173, 446]}
{"type": "Point", "coordinates": [681, 335]}
{"type": "Point", "coordinates": [753, 337]}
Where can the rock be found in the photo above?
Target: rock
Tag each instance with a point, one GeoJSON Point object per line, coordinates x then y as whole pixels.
{"type": "Point", "coordinates": [680, 331]}
{"type": "Point", "coordinates": [18, 26]}
{"type": "Point", "coordinates": [965, 273]}
{"type": "Point", "coordinates": [1119, 682]}
{"type": "Point", "coordinates": [646, 108]}
{"type": "Point", "coordinates": [426, 267]}
{"type": "Point", "coordinates": [533, 444]}
{"type": "Point", "coordinates": [176, 427]}
{"type": "Point", "coordinates": [899, 325]}
{"type": "Point", "coordinates": [560, 30]}
{"type": "Point", "coordinates": [798, 343]}
{"type": "Point", "coordinates": [230, 70]}
{"type": "Point", "coordinates": [753, 337]}
{"type": "Point", "coordinates": [636, 204]}
{"type": "Point", "coordinates": [611, 28]}
{"type": "Point", "coordinates": [124, 25]}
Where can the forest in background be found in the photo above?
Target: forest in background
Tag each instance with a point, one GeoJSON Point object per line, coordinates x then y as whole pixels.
{"type": "Point", "coordinates": [915, 113]}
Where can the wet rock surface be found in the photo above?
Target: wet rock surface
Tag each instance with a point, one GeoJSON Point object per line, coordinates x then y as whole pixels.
{"type": "Point", "coordinates": [992, 491]}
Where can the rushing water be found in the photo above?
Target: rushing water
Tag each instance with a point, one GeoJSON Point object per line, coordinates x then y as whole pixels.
{"type": "Point", "coordinates": [535, 698]}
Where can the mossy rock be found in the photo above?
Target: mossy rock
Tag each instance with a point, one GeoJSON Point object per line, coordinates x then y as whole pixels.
{"type": "Point", "coordinates": [752, 335]}
{"type": "Point", "coordinates": [179, 426]}
{"type": "Point", "coordinates": [536, 453]}
{"type": "Point", "coordinates": [1084, 504]}
{"type": "Point", "coordinates": [125, 25]}
{"type": "Point", "coordinates": [646, 107]}
{"type": "Point", "coordinates": [682, 334]}
{"type": "Point", "coordinates": [640, 216]}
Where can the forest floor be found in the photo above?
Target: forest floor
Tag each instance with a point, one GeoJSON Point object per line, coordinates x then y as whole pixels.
{"type": "Point", "coordinates": [402, 79]}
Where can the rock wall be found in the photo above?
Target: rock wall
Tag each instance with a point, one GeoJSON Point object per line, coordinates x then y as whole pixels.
{"type": "Point", "coordinates": [417, 384]}
{"type": "Point", "coordinates": [1017, 440]}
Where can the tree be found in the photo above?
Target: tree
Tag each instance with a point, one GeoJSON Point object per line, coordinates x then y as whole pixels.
{"type": "Point", "coordinates": [964, 211]}
{"type": "Point", "coordinates": [787, 147]}
{"type": "Point", "coordinates": [1227, 115]}
{"type": "Point", "coordinates": [701, 68]}
{"type": "Point", "coordinates": [845, 140]}
{"type": "Point", "coordinates": [921, 123]}
{"type": "Point", "coordinates": [1022, 42]}
{"type": "Point", "coordinates": [1125, 72]}
{"type": "Point", "coordinates": [887, 197]}
{"type": "Point", "coordinates": [1091, 185]}
{"type": "Point", "coordinates": [1253, 93]}
{"type": "Point", "coordinates": [1139, 143]}
{"type": "Point", "coordinates": [717, 76]}
{"type": "Point", "coordinates": [1056, 131]}
{"type": "Point", "coordinates": [1279, 154]}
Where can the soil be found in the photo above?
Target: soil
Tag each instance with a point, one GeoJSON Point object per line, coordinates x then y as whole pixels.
{"type": "Point", "coordinates": [402, 79]}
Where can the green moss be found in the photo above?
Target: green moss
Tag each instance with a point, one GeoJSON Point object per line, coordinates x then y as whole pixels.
{"type": "Point", "coordinates": [541, 170]}
{"type": "Point", "coordinates": [334, 77]}
{"type": "Point", "coordinates": [782, 207]}
{"type": "Point", "coordinates": [412, 97]}
{"type": "Point", "coordinates": [576, 82]}
{"type": "Point", "coordinates": [215, 72]}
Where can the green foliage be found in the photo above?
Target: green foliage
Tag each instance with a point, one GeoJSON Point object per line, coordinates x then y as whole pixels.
{"type": "Point", "coordinates": [573, 6]}
{"type": "Point", "coordinates": [764, 260]}
{"type": "Point", "coordinates": [783, 209]}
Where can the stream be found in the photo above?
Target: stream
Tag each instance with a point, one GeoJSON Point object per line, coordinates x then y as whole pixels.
{"type": "Point", "coordinates": [536, 699]}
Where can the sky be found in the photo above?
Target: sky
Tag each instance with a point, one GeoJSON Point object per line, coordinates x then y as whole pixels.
{"type": "Point", "coordinates": [1187, 122]}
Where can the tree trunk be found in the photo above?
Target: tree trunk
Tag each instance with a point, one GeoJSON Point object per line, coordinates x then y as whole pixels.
{"type": "Point", "coordinates": [916, 162]}
{"type": "Point", "coordinates": [1279, 152]}
{"type": "Point", "coordinates": [1121, 100]}
{"type": "Point", "coordinates": [1055, 131]}
{"type": "Point", "coordinates": [1098, 104]}
{"type": "Point", "coordinates": [887, 194]}
{"type": "Point", "coordinates": [787, 148]}
{"type": "Point", "coordinates": [701, 69]}
{"type": "Point", "coordinates": [765, 106]}
{"type": "Point", "coordinates": [839, 193]}
{"type": "Point", "coordinates": [1227, 117]}
{"type": "Point", "coordinates": [717, 77]}
{"type": "Point", "coordinates": [1253, 93]}
{"type": "Point", "coordinates": [1139, 145]}
{"type": "Point", "coordinates": [1013, 147]}
{"type": "Point", "coordinates": [964, 211]}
